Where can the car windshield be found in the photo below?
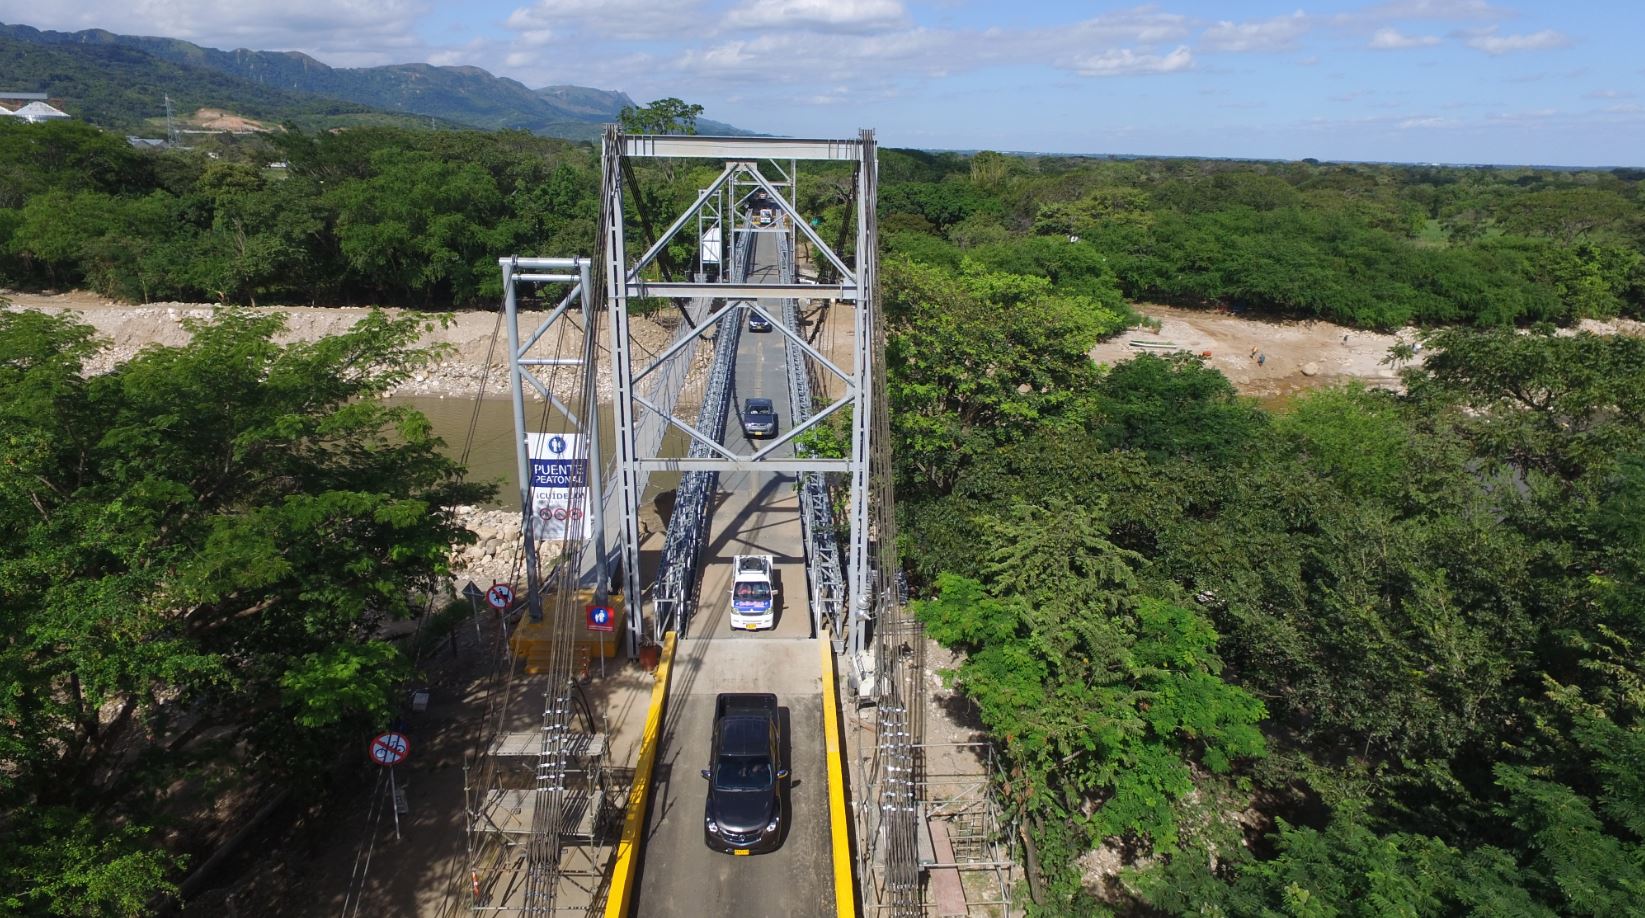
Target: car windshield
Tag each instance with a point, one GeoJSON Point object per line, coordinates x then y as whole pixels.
{"type": "Point", "coordinates": [759, 410]}
{"type": "Point", "coordinates": [753, 592]}
{"type": "Point", "coordinates": [743, 773]}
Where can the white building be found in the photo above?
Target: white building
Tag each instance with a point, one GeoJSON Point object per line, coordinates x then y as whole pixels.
{"type": "Point", "coordinates": [30, 107]}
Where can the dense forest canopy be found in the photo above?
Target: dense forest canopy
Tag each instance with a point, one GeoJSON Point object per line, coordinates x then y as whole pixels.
{"type": "Point", "coordinates": [1376, 654]}
{"type": "Point", "coordinates": [1366, 245]}
{"type": "Point", "coordinates": [414, 218]}
{"type": "Point", "coordinates": [199, 548]}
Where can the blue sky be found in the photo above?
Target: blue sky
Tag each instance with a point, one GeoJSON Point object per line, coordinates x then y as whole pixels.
{"type": "Point", "coordinates": [1406, 80]}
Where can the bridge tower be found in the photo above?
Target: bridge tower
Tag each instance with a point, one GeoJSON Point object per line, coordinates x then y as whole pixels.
{"type": "Point", "coordinates": [763, 171]}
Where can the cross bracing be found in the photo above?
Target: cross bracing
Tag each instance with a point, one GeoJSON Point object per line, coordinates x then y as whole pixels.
{"type": "Point", "coordinates": [628, 279]}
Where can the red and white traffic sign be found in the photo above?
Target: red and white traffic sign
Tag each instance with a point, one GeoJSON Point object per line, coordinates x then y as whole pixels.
{"type": "Point", "coordinates": [500, 595]}
{"type": "Point", "coordinates": [390, 749]}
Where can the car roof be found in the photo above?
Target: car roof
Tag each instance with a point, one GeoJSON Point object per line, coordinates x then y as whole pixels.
{"type": "Point", "coordinates": [745, 735]}
{"type": "Point", "coordinates": [758, 403]}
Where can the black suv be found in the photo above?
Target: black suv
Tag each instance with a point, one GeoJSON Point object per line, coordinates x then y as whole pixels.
{"type": "Point", "coordinates": [759, 418]}
{"type": "Point", "coordinates": [744, 812]}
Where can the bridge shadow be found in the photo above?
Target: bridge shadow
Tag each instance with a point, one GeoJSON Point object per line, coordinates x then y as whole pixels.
{"type": "Point", "coordinates": [763, 501]}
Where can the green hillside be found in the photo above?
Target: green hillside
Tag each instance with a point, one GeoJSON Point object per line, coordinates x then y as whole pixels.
{"type": "Point", "coordinates": [288, 84]}
{"type": "Point", "coordinates": [124, 88]}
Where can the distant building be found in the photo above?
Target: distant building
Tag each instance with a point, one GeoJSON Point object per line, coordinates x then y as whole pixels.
{"type": "Point", "coordinates": [32, 107]}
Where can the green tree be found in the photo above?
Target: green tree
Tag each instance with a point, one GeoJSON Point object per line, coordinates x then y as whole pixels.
{"type": "Point", "coordinates": [983, 358]}
{"type": "Point", "coordinates": [199, 550]}
{"type": "Point", "coordinates": [664, 116]}
{"type": "Point", "coordinates": [1102, 697]}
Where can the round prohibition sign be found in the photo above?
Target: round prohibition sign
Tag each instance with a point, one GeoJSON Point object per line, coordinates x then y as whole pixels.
{"type": "Point", "coordinates": [500, 595]}
{"type": "Point", "coordinates": [390, 749]}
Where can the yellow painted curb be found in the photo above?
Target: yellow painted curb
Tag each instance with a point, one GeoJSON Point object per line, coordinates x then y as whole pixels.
{"type": "Point", "coordinates": [628, 849]}
{"type": "Point", "coordinates": [845, 898]}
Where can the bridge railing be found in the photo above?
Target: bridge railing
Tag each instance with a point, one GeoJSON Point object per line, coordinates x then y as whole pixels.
{"type": "Point", "coordinates": [673, 598]}
{"type": "Point", "coordinates": [822, 554]}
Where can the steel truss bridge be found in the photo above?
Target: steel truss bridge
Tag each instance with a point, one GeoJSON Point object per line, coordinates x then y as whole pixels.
{"type": "Point", "coordinates": [608, 426]}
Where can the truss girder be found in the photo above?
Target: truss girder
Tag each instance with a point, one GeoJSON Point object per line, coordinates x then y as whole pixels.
{"type": "Point", "coordinates": [855, 578]}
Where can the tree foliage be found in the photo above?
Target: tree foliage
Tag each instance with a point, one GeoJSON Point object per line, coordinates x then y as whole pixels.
{"type": "Point", "coordinates": [1430, 601]}
{"type": "Point", "coordinates": [199, 548]}
{"type": "Point", "coordinates": [374, 215]}
{"type": "Point", "coordinates": [1103, 697]}
{"type": "Point", "coordinates": [664, 116]}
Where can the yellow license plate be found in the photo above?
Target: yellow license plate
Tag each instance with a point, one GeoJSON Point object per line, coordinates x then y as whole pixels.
{"type": "Point", "coordinates": [752, 627]}
{"type": "Point", "coordinates": [740, 851]}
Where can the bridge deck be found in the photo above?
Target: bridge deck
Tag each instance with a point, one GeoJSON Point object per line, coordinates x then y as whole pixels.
{"type": "Point", "coordinates": [756, 512]}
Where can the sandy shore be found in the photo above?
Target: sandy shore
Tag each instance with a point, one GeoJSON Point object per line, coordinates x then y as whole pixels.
{"type": "Point", "coordinates": [476, 340]}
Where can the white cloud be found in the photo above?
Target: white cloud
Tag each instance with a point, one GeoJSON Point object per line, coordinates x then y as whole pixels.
{"type": "Point", "coordinates": [1277, 34]}
{"type": "Point", "coordinates": [1490, 42]}
{"type": "Point", "coordinates": [1427, 121]}
{"type": "Point", "coordinates": [828, 15]}
{"type": "Point", "coordinates": [1393, 39]}
{"type": "Point", "coordinates": [1124, 61]}
{"type": "Point", "coordinates": [1425, 10]}
{"type": "Point", "coordinates": [1608, 94]}
{"type": "Point", "coordinates": [1141, 26]}
{"type": "Point", "coordinates": [612, 19]}
{"type": "Point", "coordinates": [864, 63]}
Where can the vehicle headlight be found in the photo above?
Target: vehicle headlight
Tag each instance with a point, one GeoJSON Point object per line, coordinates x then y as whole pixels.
{"type": "Point", "coordinates": [772, 825]}
{"type": "Point", "coordinates": [712, 825]}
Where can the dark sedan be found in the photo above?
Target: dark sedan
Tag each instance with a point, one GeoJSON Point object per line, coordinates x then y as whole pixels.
{"type": "Point", "coordinates": [759, 418]}
{"type": "Point", "coordinates": [744, 812]}
{"type": "Point", "coordinates": [758, 322]}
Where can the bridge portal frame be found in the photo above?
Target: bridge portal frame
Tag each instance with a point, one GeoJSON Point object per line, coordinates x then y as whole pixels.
{"type": "Point", "coordinates": [625, 281]}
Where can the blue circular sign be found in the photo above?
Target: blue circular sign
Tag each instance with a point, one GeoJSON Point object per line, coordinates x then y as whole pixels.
{"type": "Point", "coordinates": [556, 445]}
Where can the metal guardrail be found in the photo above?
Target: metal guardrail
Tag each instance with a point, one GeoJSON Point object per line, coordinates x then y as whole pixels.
{"type": "Point", "coordinates": [688, 526]}
{"type": "Point", "coordinates": [822, 556]}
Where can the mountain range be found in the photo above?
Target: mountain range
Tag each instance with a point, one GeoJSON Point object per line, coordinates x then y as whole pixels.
{"type": "Point", "coordinates": [118, 81]}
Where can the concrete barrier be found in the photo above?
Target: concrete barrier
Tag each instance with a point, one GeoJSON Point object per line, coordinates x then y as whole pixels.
{"type": "Point", "coordinates": [839, 826]}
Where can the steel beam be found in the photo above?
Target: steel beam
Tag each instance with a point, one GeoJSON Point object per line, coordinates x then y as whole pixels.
{"type": "Point", "coordinates": [522, 460]}
{"type": "Point", "coordinates": [628, 471]}
{"type": "Point", "coordinates": [791, 466]}
{"type": "Point", "coordinates": [697, 146]}
{"type": "Point", "coordinates": [744, 291]}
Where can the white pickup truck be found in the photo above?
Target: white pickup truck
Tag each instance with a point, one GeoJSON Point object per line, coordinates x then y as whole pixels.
{"type": "Point", "coordinates": [753, 597]}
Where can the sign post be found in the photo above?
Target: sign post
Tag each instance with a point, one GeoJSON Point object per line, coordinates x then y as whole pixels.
{"type": "Point", "coordinates": [602, 618]}
{"type": "Point", "coordinates": [474, 595]}
{"type": "Point", "coordinates": [389, 750]}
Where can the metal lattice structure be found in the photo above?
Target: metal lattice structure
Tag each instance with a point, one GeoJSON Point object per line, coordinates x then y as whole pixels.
{"type": "Point", "coordinates": [822, 561]}
{"type": "Point", "coordinates": [538, 797]}
{"type": "Point", "coordinates": [630, 279]}
{"type": "Point", "coordinates": [674, 594]}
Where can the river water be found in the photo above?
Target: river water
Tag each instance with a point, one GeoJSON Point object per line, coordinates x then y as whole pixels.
{"type": "Point", "coordinates": [491, 455]}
